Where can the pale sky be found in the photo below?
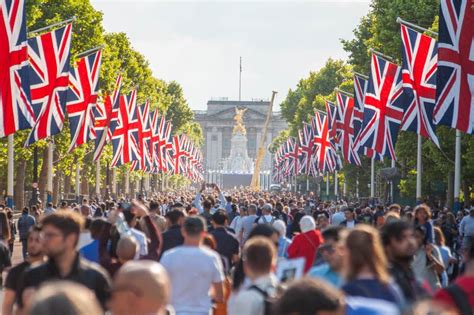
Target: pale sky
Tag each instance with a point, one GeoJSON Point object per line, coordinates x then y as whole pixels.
{"type": "Point", "coordinates": [198, 43]}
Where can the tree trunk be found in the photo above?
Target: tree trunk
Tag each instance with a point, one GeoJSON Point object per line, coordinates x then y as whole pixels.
{"type": "Point", "coordinates": [67, 185]}
{"type": "Point", "coordinates": [57, 187]}
{"type": "Point", "coordinates": [20, 184]}
{"type": "Point", "coordinates": [450, 191]}
{"type": "Point", "coordinates": [43, 176]}
{"type": "Point", "coordinates": [467, 193]}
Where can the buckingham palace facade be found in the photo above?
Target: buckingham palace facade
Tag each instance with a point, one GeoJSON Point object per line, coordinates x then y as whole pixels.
{"type": "Point", "coordinates": [217, 123]}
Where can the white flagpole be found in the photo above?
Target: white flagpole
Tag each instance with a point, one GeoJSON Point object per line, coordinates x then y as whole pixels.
{"type": "Point", "coordinates": [418, 170]}
{"type": "Point", "coordinates": [10, 172]}
{"type": "Point", "coordinates": [372, 178]}
{"type": "Point", "coordinates": [335, 185]}
{"type": "Point", "coordinates": [457, 172]}
{"type": "Point", "coordinates": [49, 181]}
{"type": "Point", "coordinates": [344, 188]}
{"type": "Point", "coordinates": [97, 178]}
{"type": "Point", "coordinates": [127, 182]}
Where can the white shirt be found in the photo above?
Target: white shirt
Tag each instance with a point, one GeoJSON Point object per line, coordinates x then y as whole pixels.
{"type": "Point", "coordinates": [350, 224]}
{"type": "Point", "coordinates": [250, 301]}
{"type": "Point", "coordinates": [141, 239]}
{"type": "Point", "coordinates": [192, 271]}
{"type": "Point", "coordinates": [85, 238]}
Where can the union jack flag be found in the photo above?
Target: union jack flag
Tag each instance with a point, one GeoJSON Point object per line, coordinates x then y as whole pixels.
{"type": "Point", "coordinates": [345, 106]}
{"type": "Point", "coordinates": [125, 137]}
{"type": "Point", "coordinates": [16, 112]}
{"type": "Point", "coordinates": [326, 157]}
{"type": "Point", "coordinates": [292, 153]}
{"type": "Point", "coordinates": [179, 154]}
{"type": "Point", "coordinates": [155, 137]}
{"type": "Point", "coordinates": [144, 137]}
{"type": "Point", "coordinates": [419, 82]}
{"type": "Point", "coordinates": [383, 111]}
{"type": "Point", "coordinates": [455, 80]}
{"type": "Point", "coordinates": [307, 150]}
{"type": "Point", "coordinates": [160, 140]}
{"type": "Point", "coordinates": [168, 159]}
{"type": "Point", "coordinates": [49, 78]}
{"type": "Point", "coordinates": [334, 122]}
{"type": "Point", "coordinates": [82, 99]}
{"type": "Point", "coordinates": [360, 87]}
{"type": "Point", "coordinates": [106, 115]}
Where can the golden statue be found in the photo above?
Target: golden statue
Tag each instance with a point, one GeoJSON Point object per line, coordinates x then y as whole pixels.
{"type": "Point", "coordinates": [239, 119]}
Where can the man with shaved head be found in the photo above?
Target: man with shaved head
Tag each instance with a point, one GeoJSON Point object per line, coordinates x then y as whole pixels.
{"type": "Point", "coordinates": [140, 288]}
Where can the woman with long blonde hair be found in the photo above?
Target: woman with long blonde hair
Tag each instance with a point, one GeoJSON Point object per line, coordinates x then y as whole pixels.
{"type": "Point", "coordinates": [365, 266]}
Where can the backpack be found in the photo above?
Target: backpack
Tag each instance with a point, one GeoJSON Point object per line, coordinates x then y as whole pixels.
{"type": "Point", "coordinates": [460, 298]}
{"type": "Point", "coordinates": [269, 301]}
{"type": "Point", "coordinates": [264, 220]}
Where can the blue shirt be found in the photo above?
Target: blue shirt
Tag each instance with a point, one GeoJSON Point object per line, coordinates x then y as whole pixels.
{"type": "Point", "coordinates": [370, 288]}
{"type": "Point", "coordinates": [325, 272]}
{"type": "Point", "coordinates": [283, 243]}
{"type": "Point", "coordinates": [91, 251]}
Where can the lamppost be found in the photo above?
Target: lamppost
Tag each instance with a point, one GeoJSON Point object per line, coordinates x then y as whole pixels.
{"type": "Point", "coordinates": [35, 193]}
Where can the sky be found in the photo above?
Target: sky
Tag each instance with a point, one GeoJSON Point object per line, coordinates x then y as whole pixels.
{"type": "Point", "coordinates": [199, 43]}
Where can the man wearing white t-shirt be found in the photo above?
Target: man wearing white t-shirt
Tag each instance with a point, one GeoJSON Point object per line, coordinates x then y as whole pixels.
{"type": "Point", "coordinates": [194, 270]}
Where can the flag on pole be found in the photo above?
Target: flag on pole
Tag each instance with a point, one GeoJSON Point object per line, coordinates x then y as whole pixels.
{"type": "Point", "coordinates": [49, 78]}
{"type": "Point", "coordinates": [419, 82]}
{"type": "Point", "coordinates": [455, 77]}
{"type": "Point", "coordinates": [326, 156]}
{"type": "Point", "coordinates": [345, 106]}
{"type": "Point", "coordinates": [333, 121]}
{"type": "Point", "coordinates": [125, 136]}
{"type": "Point", "coordinates": [16, 111]}
{"type": "Point", "coordinates": [383, 111]}
{"type": "Point", "coordinates": [306, 139]}
{"type": "Point", "coordinates": [82, 99]}
{"type": "Point", "coordinates": [144, 136]}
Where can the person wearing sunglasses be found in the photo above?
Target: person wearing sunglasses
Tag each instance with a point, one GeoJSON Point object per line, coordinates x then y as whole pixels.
{"type": "Point", "coordinates": [331, 269]}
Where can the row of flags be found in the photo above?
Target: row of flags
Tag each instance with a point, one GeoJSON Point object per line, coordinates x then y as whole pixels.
{"type": "Point", "coordinates": [433, 86]}
{"type": "Point", "coordinates": [38, 90]}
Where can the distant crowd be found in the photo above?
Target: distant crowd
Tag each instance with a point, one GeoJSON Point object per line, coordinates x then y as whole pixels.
{"type": "Point", "coordinates": [237, 252]}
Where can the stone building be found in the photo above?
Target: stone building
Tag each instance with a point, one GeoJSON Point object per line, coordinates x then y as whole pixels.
{"type": "Point", "coordinates": [217, 123]}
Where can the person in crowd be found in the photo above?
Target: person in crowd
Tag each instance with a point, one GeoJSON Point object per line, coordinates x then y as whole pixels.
{"type": "Point", "coordinates": [86, 210]}
{"type": "Point", "coordinates": [49, 209]}
{"type": "Point", "coordinates": [366, 274]}
{"type": "Point", "coordinates": [459, 296]}
{"type": "Point", "coordinates": [5, 233]}
{"type": "Point", "coordinates": [398, 238]}
{"type": "Point", "coordinates": [309, 296]}
{"type": "Point", "coordinates": [466, 226]}
{"type": "Point", "coordinates": [172, 237]}
{"type": "Point", "coordinates": [205, 274]}
{"type": "Point", "coordinates": [338, 217]}
{"type": "Point", "coordinates": [283, 241]}
{"type": "Point", "coordinates": [91, 250]}
{"type": "Point", "coordinates": [247, 223]}
{"type": "Point", "coordinates": [266, 217]}
{"type": "Point", "coordinates": [322, 222]}
{"type": "Point", "coordinates": [131, 217]}
{"type": "Point", "coordinates": [140, 288]}
{"type": "Point", "coordinates": [366, 216]}
{"type": "Point", "coordinates": [350, 220]}
{"type": "Point", "coordinates": [59, 235]}
{"type": "Point", "coordinates": [227, 243]}
{"type": "Point", "coordinates": [64, 206]}
{"type": "Point", "coordinates": [423, 218]}
{"type": "Point", "coordinates": [15, 274]}
{"type": "Point", "coordinates": [259, 259]}
{"type": "Point", "coordinates": [85, 238]}
{"type": "Point", "coordinates": [306, 243]}
{"type": "Point", "coordinates": [236, 223]}
{"type": "Point", "coordinates": [156, 217]}
{"type": "Point", "coordinates": [446, 255]}
{"type": "Point", "coordinates": [427, 263]}
{"type": "Point", "coordinates": [24, 223]}
{"type": "Point", "coordinates": [331, 269]}
{"type": "Point", "coordinates": [13, 231]}
{"type": "Point", "coordinates": [64, 297]}
{"type": "Point", "coordinates": [450, 230]}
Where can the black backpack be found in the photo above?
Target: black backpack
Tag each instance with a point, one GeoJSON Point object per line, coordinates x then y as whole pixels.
{"type": "Point", "coordinates": [268, 300]}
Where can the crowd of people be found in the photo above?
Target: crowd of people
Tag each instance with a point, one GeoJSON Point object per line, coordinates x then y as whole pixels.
{"type": "Point", "coordinates": [214, 252]}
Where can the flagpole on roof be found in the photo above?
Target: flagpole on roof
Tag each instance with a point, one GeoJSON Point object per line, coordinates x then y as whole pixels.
{"type": "Point", "coordinates": [417, 27]}
{"type": "Point", "coordinates": [41, 29]}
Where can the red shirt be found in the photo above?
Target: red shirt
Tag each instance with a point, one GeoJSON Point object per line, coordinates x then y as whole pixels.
{"type": "Point", "coordinates": [305, 245]}
{"type": "Point", "coordinates": [466, 283]}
